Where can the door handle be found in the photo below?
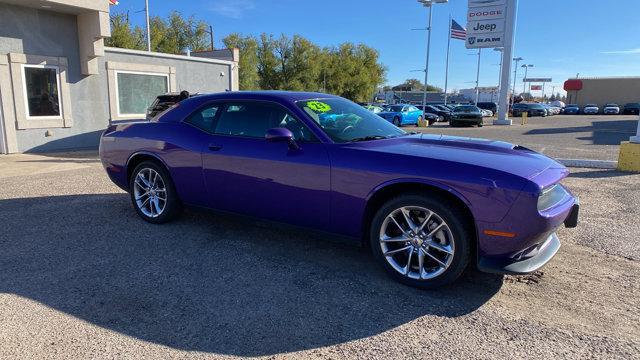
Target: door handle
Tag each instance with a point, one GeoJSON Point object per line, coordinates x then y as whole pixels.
{"type": "Point", "coordinates": [214, 147]}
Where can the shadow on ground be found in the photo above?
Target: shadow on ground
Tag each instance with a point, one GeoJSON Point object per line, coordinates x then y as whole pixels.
{"type": "Point", "coordinates": [208, 283]}
{"type": "Point", "coordinates": [603, 132]}
{"type": "Point", "coordinates": [598, 174]}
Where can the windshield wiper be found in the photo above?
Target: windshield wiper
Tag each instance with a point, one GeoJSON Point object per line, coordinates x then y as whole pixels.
{"type": "Point", "coordinates": [367, 138]}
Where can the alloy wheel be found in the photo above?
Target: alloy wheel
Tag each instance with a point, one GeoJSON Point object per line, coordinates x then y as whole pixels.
{"type": "Point", "coordinates": [150, 192]}
{"type": "Point", "coordinates": [416, 242]}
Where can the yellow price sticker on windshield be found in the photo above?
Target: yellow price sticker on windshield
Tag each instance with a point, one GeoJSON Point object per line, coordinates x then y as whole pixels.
{"type": "Point", "coordinates": [318, 106]}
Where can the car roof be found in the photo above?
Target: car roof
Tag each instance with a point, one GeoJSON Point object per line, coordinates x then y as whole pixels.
{"type": "Point", "coordinates": [267, 95]}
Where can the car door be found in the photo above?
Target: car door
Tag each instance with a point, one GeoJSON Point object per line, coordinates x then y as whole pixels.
{"type": "Point", "coordinates": [414, 113]}
{"type": "Point", "coordinates": [248, 175]}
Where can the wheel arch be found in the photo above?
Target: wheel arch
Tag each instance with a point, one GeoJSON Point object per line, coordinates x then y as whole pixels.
{"type": "Point", "coordinates": [141, 156]}
{"type": "Point", "coordinates": [387, 191]}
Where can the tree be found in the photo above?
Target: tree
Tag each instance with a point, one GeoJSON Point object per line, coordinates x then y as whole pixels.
{"type": "Point", "coordinates": [122, 35]}
{"type": "Point", "coordinates": [248, 63]}
{"type": "Point", "coordinates": [415, 85]}
{"type": "Point", "coordinates": [172, 36]}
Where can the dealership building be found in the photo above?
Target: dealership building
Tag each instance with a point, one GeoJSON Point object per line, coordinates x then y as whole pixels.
{"type": "Point", "coordinates": [603, 90]}
{"type": "Point", "coordinates": [60, 86]}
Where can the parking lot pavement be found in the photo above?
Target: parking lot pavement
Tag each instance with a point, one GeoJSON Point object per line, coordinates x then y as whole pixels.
{"type": "Point", "coordinates": [561, 136]}
{"type": "Point", "coordinates": [83, 277]}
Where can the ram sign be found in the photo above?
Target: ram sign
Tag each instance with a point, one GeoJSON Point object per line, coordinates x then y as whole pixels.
{"type": "Point", "coordinates": [485, 41]}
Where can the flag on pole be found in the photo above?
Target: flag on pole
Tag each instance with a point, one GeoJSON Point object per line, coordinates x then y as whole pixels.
{"type": "Point", "coordinates": [113, 2]}
{"type": "Point", "coordinates": [457, 31]}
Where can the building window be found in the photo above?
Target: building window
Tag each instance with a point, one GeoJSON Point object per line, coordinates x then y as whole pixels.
{"type": "Point", "coordinates": [42, 91]}
{"type": "Point", "coordinates": [136, 91]}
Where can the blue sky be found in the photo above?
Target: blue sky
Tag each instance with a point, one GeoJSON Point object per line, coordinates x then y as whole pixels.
{"type": "Point", "coordinates": [559, 37]}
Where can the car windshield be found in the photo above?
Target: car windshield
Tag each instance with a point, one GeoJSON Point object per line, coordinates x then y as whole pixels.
{"type": "Point", "coordinates": [612, 105]}
{"type": "Point", "coordinates": [572, 105]}
{"type": "Point", "coordinates": [591, 105]}
{"type": "Point", "coordinates": [345, 121]}
{"type": "Point", "coordinates": [519, 106]}
{"type": "Point", "coordinates": [466, 108]}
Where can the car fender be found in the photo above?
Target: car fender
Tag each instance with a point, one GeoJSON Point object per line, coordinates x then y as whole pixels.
{"type": "Point", "coordinates": [435, 184]}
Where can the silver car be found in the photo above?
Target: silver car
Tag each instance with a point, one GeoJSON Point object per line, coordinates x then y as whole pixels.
{"type": "Point", "coordinates": [591, 109]}
{"type": "Point", "coordinates": [611, 109]}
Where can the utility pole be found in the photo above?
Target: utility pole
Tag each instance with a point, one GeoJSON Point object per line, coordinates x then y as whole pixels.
{"type": "Point", "coordinates": [507, 55]}
{"type": "Point", "coordinates": [515, 76]}
{"type": "Point", "coordinates": [146, 10]}
{"type": "Point", "coordinates": [478, 77]}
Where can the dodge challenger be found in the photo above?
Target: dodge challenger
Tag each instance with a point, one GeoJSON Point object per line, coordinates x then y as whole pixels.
{"type": "Point", "coordinates": [428, 206]}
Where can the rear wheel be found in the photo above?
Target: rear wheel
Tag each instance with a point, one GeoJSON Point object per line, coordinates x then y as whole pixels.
{"type": "Point", "coordinates": [420, 240]}
{"type": "Point", "coordinates": [396, 121]}
{"type": "Point", "coordinates": [153, 194]}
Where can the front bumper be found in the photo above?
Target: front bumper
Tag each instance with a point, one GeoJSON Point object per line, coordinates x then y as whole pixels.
{"type": "Point", "coordinates": [533, 260]}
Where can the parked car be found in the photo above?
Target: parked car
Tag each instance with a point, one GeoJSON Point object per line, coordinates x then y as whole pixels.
{"type": "Point", "coordinates": [486, 113]}
{"type": "Point", "coordinates": [401, 114]}
{"type": "Point", "coordinates": [531, 110]}
{"type": "Point", "coordinates": [164, 102]}
{"type": "Point", "coordinates": [443, 114]}
{"type": "Point", "coordinates": [549, 109]}
{"type": "Point", "coordinates": [632, 109]}
{"type": "Point", "coordinates": [572, 109]}
{"type": "Point", "coordinates": [591, 109]}
{"type": "Point", "coordinates": [374, 109]}
{"type": "Point", "coordinates": [491, 106]}
{"type": "Point", "coordinates": [429, 206]}
{"type": "Point", "coordinates": [466, 114]}
{"type": "Point", "coordinates": [611, 109]}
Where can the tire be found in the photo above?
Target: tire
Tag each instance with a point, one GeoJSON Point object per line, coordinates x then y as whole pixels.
{"type": "Point", "coordinates": [151, 208]}
{"type": "Point", "coordinates": [396, 121]}
{"type": "Point", "coordinates": [449, 243]}
{"type": "Point", "coordinates": [480, 124]}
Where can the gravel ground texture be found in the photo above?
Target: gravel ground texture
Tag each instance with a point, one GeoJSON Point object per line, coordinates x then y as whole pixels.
{"type": "Point", "coordinates": [594, 137]}
{"type": "Point", "coordinates": [83, 277]}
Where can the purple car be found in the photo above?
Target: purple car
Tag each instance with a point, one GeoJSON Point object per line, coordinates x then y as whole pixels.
{"type": "Point", "coordinates": [427, 205]}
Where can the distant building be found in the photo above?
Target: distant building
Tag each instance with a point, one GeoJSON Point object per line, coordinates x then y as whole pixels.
{"type": "Point", "coordinates": [601, 91]}
{"type": "Point", "coordinates": [485, 94]}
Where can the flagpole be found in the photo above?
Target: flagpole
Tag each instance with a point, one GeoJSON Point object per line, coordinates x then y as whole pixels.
{"type": "Point", "coordinates": [446, 71]}
{"type": "Point", "coordinates": [146, 10]}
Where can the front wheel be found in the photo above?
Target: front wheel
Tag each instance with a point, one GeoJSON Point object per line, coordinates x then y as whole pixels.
{"type": "Point", "coordinates": [153, 194]}
{"type": "Point", "coordinates": [396, 121]}
{"type": "Point", "coordinates": [421, 241]}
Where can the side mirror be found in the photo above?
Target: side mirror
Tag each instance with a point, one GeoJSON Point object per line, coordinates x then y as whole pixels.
{"type": "Point", "coordinates": [281, 135]}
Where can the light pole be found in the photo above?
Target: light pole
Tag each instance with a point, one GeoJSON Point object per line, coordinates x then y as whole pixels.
{"type": "Point", "coordinates": [428, 4]}
{"type": "Point", "coordinates": [526, 68]}
{"type": "Point", "coordinates": [515, 75]}
{"type": "Point", "coordinates": [499, 76]}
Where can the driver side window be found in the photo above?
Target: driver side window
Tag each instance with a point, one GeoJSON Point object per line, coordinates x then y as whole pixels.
{"type": "Point", "coordinates": [253, 119]}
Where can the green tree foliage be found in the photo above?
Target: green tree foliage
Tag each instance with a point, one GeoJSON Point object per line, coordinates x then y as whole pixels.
{"type": "Point", "coordinates": [415, 85]}
{"type": "Point", "coordinates": [172, 35]}
{"type": "Point", "coordinates": [248, 63]}
{"type": "Point", "coordinates": [295, 63]}
{"type": "Point", "coordinates": [122, 35]}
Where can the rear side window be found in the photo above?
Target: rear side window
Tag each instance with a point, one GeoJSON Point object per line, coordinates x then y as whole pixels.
{"type": "Point", "coordinates": [253, 119]}
{"type": "Point", "coordinates": [203, 118]}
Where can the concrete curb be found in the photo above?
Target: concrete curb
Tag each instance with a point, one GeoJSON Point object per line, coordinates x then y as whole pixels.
{"type": "Point", "coordinates": [592, 164]}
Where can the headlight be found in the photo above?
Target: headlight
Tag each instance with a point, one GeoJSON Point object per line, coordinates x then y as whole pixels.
{"type": "Point", "coordinates": [551, 196]}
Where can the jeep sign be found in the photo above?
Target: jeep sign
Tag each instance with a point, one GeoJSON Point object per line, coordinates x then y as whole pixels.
{"type": "Point", "coordinates": [485, 40]}
{"type": "Point", "coordinates": [487, 26]}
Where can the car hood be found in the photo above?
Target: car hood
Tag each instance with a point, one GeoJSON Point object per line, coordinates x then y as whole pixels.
{"type": "Point", "coordinates": [493, 154]}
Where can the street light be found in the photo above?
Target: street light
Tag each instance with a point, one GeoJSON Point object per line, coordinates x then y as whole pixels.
{"type": "Point", "coordinates": [428, 4]}
{"type": "Point", "coordinates": [526, 68]}
{"type": "Point", "coordinates": [515, 75]}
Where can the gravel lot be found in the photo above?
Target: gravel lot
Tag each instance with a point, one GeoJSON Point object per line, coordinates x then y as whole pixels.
{"type": "Point", "coordinates": [595, 137]}
{"type": "Point", "coordinates": [83, 277]}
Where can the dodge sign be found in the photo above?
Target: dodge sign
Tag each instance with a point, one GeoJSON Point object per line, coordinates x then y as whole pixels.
{"type": "Point", "coordinates": [486, 23]}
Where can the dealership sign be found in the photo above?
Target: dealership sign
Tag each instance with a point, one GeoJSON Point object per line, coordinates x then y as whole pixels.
{"type": "Point", "coordinates": [537, 80]}
{"type": "Point", "coordinates": [486, 23]}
